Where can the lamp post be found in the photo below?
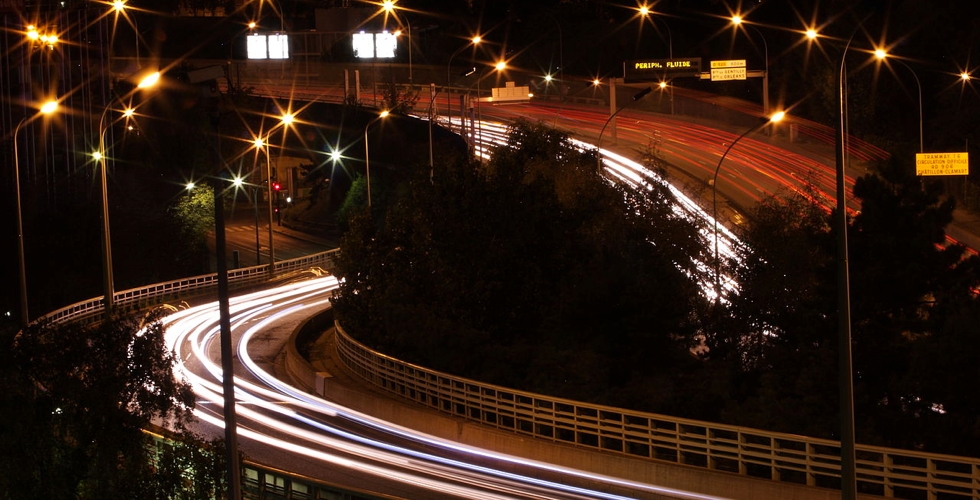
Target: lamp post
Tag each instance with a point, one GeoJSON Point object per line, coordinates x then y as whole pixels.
{"type": "Point", "coordinates": [388, 6]}
{"type": "Point", "coordinates": [845, 362]}
{"type": "Point", "coordinates": [260, 144]}
{"type": "Point", "coordinates": [367, 159]}
{"type": "Point", "coordinates": [881, 54]}
{"type": "Point", "coordinates": [647, 13]}
{"type": "Point", "coordinates": [119, 6]}
{"type": "Point", "coordinates": [598, 150]}
{"type": "Point", "coordinates": [100, 156]}
{"type": "Point", "coordinates": [499, 66]}
{"type": "Point", "coordinates": [449, 106]}
{"type": "Point", "coordinates": [432, 100]}
{"type": "Point", "coordinates": [738, 21]}
{"type": "Point", "coordinates": [714, 194]}
{"type": "Point", "coordinates": [48, 108]}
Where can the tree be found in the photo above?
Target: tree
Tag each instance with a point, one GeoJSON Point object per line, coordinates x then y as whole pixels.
{"type": "Point", "coordinates": [194, 214]}
{"type": "Point", "coordinates": [76, 399]}
{"type": "Point", "coordinates": [911, 295]}
{"type": "Point", "coordinates": [563, 282]}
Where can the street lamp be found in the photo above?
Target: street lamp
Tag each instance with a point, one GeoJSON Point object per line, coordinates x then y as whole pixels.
{"type": "Point", "coordinates": [388, 6]}
{"type": "Point", "coordinates": [881, 55]}
{"type": "Point", "coordinates": [647, 13]}
{"type": "Point", "coordinates": [120, 6]}
{"type": "Point", "coordinates": [714, 194]}
{"type": "Point", "coordinates": [48, 108]}
{"type": "Point", "coordinates": [598, 150]}
{"type": "Point", "coordinates": [738, 21]}
{"type": "Point", "coordinates": [845, 362]}
{"type": "Point", "coordinates": [499, 66]}
{"type": "Point", "coordinates": [367, 160]}
{"type": "Point", "coordinates": [449, 107]}
{"type": "Point", "coordinates": [260, 144]}
{"type": "Point", "coordinates": [100, 157]}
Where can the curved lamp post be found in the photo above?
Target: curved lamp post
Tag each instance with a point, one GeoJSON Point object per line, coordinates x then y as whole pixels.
{"type": "Point", "coordinates": [499, 67]}
{"type": "Point", "coordinates": [598, 149]}
{"type": "Point", "coordinates": [449, 106]}
{"type": "Point", "coordinates": [845, 362]}
{"type": "Point", "coordinates": [100, 156]}
{"type": "Point", "coordinates": [260, 144]}
{"type": "Point", "coordinates": [367, 158]}
{"type": "Point", "coordinates": [738, 21]}
{"type": "Point", "coordinates": [714, 194]}
{"type": "Point", "coordinates": [881, 54]}
{"type": "Point", "coordinates": [647, 13]}
{"type": "Point", "coordinates": [119, 6]}
{"type": "Point", "coordinates": [48, 108]}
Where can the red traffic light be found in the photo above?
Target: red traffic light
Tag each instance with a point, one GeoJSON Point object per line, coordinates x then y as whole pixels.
{"type": "Point", "coordinates": [276, 186]}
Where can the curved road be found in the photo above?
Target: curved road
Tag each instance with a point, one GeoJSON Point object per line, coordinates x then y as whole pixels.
{"type": "Point", "coordinates": [282, 425]}
{"type": "Point", "coordinates": [285, 426]}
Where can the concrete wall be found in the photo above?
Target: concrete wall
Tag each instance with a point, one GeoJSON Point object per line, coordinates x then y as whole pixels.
{"type": "Point", "coordinates": [330, 380]}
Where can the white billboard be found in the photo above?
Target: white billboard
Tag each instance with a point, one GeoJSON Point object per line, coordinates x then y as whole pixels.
{"type": "Point", "coordinates": [268, 46]}
{"type": "Point", "coordinates": [374, 45]}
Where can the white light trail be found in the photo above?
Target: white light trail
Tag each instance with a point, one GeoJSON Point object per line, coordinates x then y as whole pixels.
{"type": "Point", "coordinates": [265, 402]}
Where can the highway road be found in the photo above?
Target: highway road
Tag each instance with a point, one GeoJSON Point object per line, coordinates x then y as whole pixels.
{"type": "Point", "coordinates": [760, 164]}
{"type": "Point", "coordinates": [293, 430]}
{"type": "Point", "coordinates": [290, 429]}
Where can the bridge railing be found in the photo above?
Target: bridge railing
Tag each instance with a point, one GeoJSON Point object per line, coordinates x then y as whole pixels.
{"type": "Point", "coordinates": [145, 297]}
{"type": "Point", "coordinates": [788, 458]}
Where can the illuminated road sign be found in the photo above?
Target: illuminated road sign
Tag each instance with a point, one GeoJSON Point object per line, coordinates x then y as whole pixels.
{"type": "Point", "coordinates": [655, 70]}
{"type": "Point", "coordinates": [728, 70]}
{"type": "Point", "coordinates": [942, 164]}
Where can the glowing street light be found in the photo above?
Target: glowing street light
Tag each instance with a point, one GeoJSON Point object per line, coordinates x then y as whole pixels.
{"type": "Point", "coordinates": [367, 159]}
{"type": "Point", "coordinates": [100, 157]}
{"type": "Point", "coordinates": [449, 112]}
{"type": "Point", "coordinates": [389, 7]}
{"type": "Point", "coordinates": [261, 144]}
{"type": "Point", "coordinates": [738, 21]}
{"type": "Point", "coordinates": [647, 13]}
{"type": "Point", "coordinates": [881, 55]}
{"type": "Point", "coordinates": [47, 108]}
{"type": "Point", "coordinates": [812, 34]}
{"type": "Point", "coordinates": [498, 67]}
{"type": "Point", "coordinates": [119, 6]}
{"type": "Point", "coordinates": [714, 194]}
{"type": "Point", "coordinates": [34, 35]}
{"type": "Point", "coordinates": [965, 76]}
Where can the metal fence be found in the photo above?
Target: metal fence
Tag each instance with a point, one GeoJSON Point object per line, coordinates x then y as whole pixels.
{"type": "Point", "coordinates": [752, 452]}
{"type": "Point", "coordinates": [142, 298]}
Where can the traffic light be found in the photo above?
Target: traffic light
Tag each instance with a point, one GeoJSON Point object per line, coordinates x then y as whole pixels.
{"type": "Point", "coordinates": [276, 186]}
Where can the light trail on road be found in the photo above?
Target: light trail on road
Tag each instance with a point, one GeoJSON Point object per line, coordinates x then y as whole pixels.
{"type": "Point", "coordinates": [618, 168]}
{"type": "Point", "coordinates": [277, 414]}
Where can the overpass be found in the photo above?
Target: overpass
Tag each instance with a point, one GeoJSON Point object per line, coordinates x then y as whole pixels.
{"type": "Point", "coordinates": [697, 456]}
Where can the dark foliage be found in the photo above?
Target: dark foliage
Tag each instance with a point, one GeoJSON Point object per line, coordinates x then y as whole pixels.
{"type": "Point", "coordinates": [75, 402]}
{"type": "Point", "coordinates": [530, 271]}
{"type": "Point", "coordinates": [912, 295]}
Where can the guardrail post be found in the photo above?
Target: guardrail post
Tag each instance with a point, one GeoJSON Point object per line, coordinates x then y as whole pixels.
{"type": "Point", "coordinates": [742, 469]}
{"type": "Point", "coordinates": [774, 473]}
{"type": "Point", "coordinates": [887, 462]}
{"type": "Point", "coordinates": [811, 476]}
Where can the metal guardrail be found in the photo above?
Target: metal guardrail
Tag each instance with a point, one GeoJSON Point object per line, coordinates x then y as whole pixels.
{"type": "Point", "coordinates": [258, 481]}
{"type": "Point", "coordinates": [780, 457]}
{"type": "Point", "coordinates": [145, 297]}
